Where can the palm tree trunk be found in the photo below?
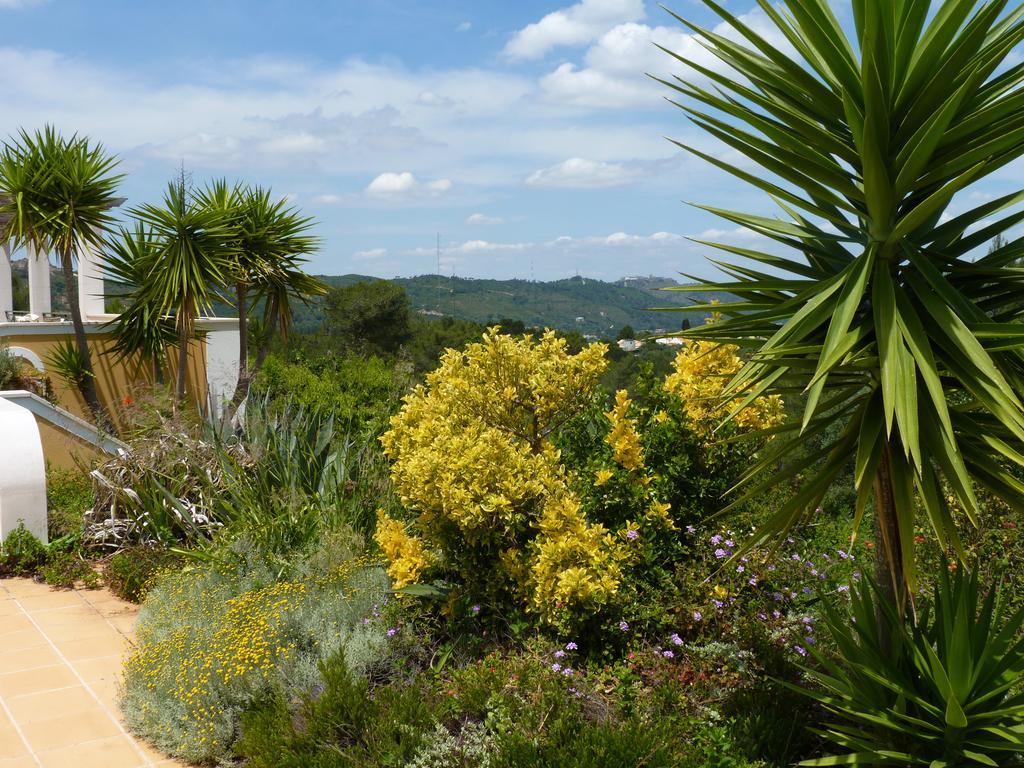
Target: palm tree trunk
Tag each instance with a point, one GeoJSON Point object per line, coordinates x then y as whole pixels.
{"type": "Point", "coordinates": [185, 321]}
{"type": "Point", "coordinates": [889, 574]}
{"type": "Point", "coordinates": [87, 385]}
{"type": "Point", "coordinates": [244, 377]}
{"type": "Point", "coordinates": [268, 334]}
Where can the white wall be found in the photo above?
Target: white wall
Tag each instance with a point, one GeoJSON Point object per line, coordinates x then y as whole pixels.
{"type": "Point", "coordinates": [22, 472]}
{"type": "Point", "coordinates": [221, 359]}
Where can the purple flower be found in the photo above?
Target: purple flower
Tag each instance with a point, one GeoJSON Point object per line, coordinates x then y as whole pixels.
{"type": "Point", "coordinates": [752, 581]}
{"type": "Point", "coordinates": [795, 557]}
{"type": "Point", "coordinates": [800, 649]}
{"type": "Point", "coordinates": [720, 553]}
{"type": "Point", "coordinates": [740, 569]}
{"type": "Point", "coordinates": [475, 609]}
{"type": "Point", "coordinates": [392, 632]}
{"type": "Point", "coordinates": [730, 543]}
{"type": "Point", "coordinates": [807, 620]}
{"type": "Point", "coordinates": [623, 626]}
{"type": "Point", "coordinates": [810, 640]}
{"type": "Point", "coordinates": [843, 588]}
{"type": "Point", "coordinates": [776, 615]}
{"type": "Point", "coordinates": [366, 622]}
{"type": "Point", "coordinates": [814, 571]}
{"type": "Point", "coordinates": [571, 646]}
{"type": "Point", "coordinates": [771, 568]}
{"type": "Point", "coordinates": [567, 671]}
{"type": "Point", "coordinates": [556, 667]}
{"type": "Point", "coordinates": [777, 597]}
{"type": "Point", "coordinates": [698, 616]}
{"type": "Point", "coordinates": [675, 639]}
{"type": "Point", "coordinates": [668, 654]}
{"type": "Point", "coordinates": [762, 616]}
{"type": "Point", "coordinates": [632, 533]}
{"type": "Point", "coordinates": [806, 590]}
{"type": "Point", "coordinates": [716, 539]}
{"type": "Point", "coordinates": [717, 603]}
{"type": "Point", "coordinates": [690, 529]}
{"type": "Point", "coordinates": [559, 654]}
{"type": "Point", "coordinates": [843, 555]}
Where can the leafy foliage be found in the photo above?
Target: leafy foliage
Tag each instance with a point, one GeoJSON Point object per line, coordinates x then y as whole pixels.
{"type": "Point", "coordinates": [370, 317]}
{"type": "Point", "coordinates": [946, 692]}
{"type": "Point", "coordinates": [880, 317]}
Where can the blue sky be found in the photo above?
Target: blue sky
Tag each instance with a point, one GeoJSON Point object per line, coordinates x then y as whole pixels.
{"type": "Point", "coordinates": [525, 133]}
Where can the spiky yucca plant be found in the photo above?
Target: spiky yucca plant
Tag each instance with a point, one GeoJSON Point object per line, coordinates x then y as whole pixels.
{"type": "Point", "coordinates": [907, 346]}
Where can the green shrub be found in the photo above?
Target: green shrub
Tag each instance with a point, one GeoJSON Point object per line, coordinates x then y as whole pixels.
{"type": "Point", "coordinates": [65, 567]}
{"type": "Point", "coordinates": [213, 639]}
{"type": "Point", "coordinates": [946, 692]}
{"type": "Point", "coordinates": [131, 573]}
{"type": "Point", "coordinates": [68, 496]}
{"type": "Point", "coordinates": [21, 553]}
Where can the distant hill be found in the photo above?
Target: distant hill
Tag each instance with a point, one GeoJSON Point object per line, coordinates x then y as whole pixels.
{"type": "Point", "coordinates": [577, 303]}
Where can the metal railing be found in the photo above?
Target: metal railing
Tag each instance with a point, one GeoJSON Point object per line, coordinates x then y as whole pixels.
{"type": "Point", "coordinates": [21, 316]}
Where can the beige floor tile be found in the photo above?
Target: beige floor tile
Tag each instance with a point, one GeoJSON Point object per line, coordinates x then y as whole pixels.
{"type": "Point", "coordinates": [9, 607]}
{"type": "Point", "coordinates": [60, 732]}
{"type": "Point", "coordinates": [11, 743]}
{"type": "Point", "coordinates": [48, 600]}
{"type": "Point", "coordinates": [33, 707]}
{"type": "Point", "coordinates": [28, 658]}
{"type": "Point", "coordinates": [19, 762]}
{"type": "Point", "coordinates": [114, 752]}
{"type": "Point", "coordinates": [19, 587]}
{"type": "Point", "coordinates": [113, 644]}
{"type": "Point", "coordinates": [102, 668]}
{"type": "Point", "coordinates": [22, 639]}
{"type": "Point", "coordinates": [36, 680]}
{"type": "Point", "coordinates": [15, 622]}
{"type": "Point", "coordinates": [125, 624]}
{"type": "Point", "coordinates": [71, 615]}
{"type": "Point", "coordinates": [80, 630]}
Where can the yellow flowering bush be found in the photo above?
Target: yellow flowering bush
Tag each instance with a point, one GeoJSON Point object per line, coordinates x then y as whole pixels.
{"type": "Point", "coordinates": [494, 509]}
{"type": "Point", "coordinates": [700, 373]}
{"type": "Point", "coordinates": [623, 437]}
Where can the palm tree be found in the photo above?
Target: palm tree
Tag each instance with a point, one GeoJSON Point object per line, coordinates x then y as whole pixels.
{"type": "Point", "coordinates": [141, 331]}
{"type": "Point", "coordinates": [269, 241]}
{"type": "Point", "coordinates": [908, 352]}
{"type": "Point", "coordinates": [193, 258]}
{"type": "Point", "coordinates": [58, 193]}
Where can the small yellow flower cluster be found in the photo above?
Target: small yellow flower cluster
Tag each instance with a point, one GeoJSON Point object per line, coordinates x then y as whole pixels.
{"type": "Point", "coordinates": [575, 564]}
{"type": "Point", "coordinates": [623, 436]}
{"type": "Point", "coordinates": [406, 555]}
{"type": "Point", "coordinates": [701, 371]}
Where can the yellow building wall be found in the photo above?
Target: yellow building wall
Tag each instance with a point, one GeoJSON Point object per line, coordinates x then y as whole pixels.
{"type": "Point", "coordinates": [118, 382]}
{"type": "Point", "coordinates": [63, 450]}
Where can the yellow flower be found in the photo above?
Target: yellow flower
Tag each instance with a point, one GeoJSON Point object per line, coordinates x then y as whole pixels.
{"type": "Point", "coordinates": [406, 554]}
{"type": "Point", "coordinates": [603, 476]}
{"type": "Point", "coordinates": [623, 437]}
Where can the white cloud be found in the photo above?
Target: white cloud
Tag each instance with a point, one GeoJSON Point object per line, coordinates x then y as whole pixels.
{"type": "Point", "coordinates": [578, 172]}
{"type": "Point", "coordinates": [17, 4]}
{"type": "Point", "coordinates": [328, 199]}
{"type": "Point", "coordinates": [483, 218]}
{"type": "Point", "coordinates": [392, 185]}
{"type": "Point", "coordinates": [370, 255]}
{"type": "Point", "coordinates": [614, 67]}
{"type": "Point", "coordinates": [464, 26]}
{"type": "Point", "coordinates": [576, 25]}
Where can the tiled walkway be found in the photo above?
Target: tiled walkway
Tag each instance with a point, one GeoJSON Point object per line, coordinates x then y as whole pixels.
{"type": "Point", "coordinates": [60, 661]}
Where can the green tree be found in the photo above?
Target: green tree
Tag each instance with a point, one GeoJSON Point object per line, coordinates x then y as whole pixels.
{"type": "Point", "coordinates": [904, 344]}
{"type": "Point", "coordinates": [142, 330]}
{"type": "Point", "coordinates": [192, 259]}
{"type": "Point", "coordinates": [375, 316]}
{"type": "Point", "coordinates": [57, 194]}
{"type": "Point", "coordinates": [626, 332]}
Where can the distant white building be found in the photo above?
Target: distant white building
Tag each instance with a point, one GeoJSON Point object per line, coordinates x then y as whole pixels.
{"type": "Point", "coordinates": [630, 345]}
{"type": "Point", "coordinates": [671, 341]}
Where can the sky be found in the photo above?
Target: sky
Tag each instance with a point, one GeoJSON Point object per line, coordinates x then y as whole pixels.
{"type": "Point", "coordinates": [525, 134]}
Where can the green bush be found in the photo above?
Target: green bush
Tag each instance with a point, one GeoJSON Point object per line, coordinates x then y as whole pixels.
{"type": "Point", "coordinates": [66, 567]}
{"type": "Point", "coordinates": [21, 553]}
{"type": "Point", "coordinates": [68, 496]}
{"type": "Point", "coordinates": [213, 639]}
{"type": "Point", "coordinates": [132, 572]}
{"type": "Point", "coordinates": [945, 692]}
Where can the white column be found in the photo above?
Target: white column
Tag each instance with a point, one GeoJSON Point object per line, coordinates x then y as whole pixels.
{"type": "Point", "coordinates": [38, 281]}
{"type": "Point", "coordinates": [90, 281]}
{"type": "Point", "coordinates": [6, 284]}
